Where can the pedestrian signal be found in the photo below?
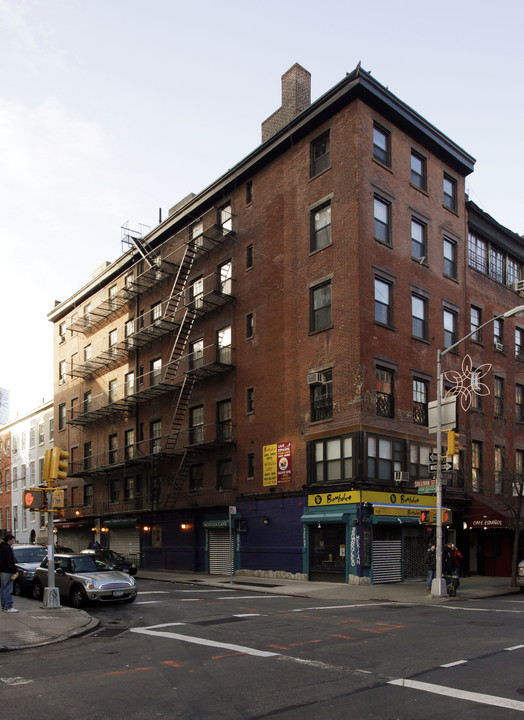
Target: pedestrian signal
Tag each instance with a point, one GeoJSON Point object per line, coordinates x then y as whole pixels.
{"type": "Point", "coordinates": [57, 499]}
{"type": "Point", "coordinates": [34, 499]}
{"type": "Point", "coordinates": [427, 516]}
{"type": "Point", "coordinates": [446, 517]}
{"type": "Point", "coordinates": [57, 466]}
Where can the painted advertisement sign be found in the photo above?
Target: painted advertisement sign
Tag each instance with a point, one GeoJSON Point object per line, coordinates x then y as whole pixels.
{"type": "Point", "coordinates": [276, 463]}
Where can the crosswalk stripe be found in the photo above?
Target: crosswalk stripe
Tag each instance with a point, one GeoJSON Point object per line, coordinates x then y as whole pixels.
{"type": "Point", "coordinates": [460, 694]}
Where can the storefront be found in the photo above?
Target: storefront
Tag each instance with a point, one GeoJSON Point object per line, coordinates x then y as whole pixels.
{"type": "Point", "coordinates": [489, 532]}
{"type": "Point", "coordinates": [363, 537]}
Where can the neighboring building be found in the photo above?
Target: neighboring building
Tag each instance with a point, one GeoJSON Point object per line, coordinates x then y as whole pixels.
{"type": "Point", "coordinates": [251, 380]}
{"type": "Point", "coordinates": [4, 405]}
{"type": "Point", "coordinates": [23, 444]}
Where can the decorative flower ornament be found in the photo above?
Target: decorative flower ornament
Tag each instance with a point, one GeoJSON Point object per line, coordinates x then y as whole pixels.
{"type": "Point", "coordinates": [468, 383]}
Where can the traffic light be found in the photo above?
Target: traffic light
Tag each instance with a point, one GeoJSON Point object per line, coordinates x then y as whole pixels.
{"type": "Point", "coordinates": [453, 442]}
{"type": "Point", "coordinates": [57, 466]}
{"type": "Point", "coordinates": [427, 516]}
{"type": "Point", "coordinates": [47, 466]}
{"type": "Point", "coordinates": [34, 499]}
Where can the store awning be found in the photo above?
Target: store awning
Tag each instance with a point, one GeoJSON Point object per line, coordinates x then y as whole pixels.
{"type": "Point", "coordinates": [488, 512]}
{"type": "Point", "coordinates": [325, 517]}
{"type": "Point", "coordinates": [120, 522]}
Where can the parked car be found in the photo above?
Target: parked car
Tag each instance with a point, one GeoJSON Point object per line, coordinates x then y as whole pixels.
{"type": "Point", "coordinates": [520, 576]}
{"type": "Point", "coordinates": [83, 579]}
{"type": "Point", "coordinates": [114, 558]}
{"type": "Point", "coordinates": [27, 559]}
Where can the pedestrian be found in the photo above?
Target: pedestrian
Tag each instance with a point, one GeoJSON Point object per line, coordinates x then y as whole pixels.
{"type": "Point", "coordinates": [96, 545]}
{"type": "Point", "coordinates": [8, 573]}
{"type": "Point", "coordinates": [458, 557]}
{"type": "Point", "coordinates": [448, 560]}
{"type": "Point", "coordinates": [431, 559]}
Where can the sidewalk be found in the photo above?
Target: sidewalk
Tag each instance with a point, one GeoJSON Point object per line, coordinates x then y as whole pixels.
{"type": "Point", "coordinates": [34, 625]}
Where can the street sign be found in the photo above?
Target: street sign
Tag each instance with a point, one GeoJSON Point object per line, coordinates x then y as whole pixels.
{"type": "Point", "coordinates": [423, 483]}
{"type": "Point", "coordinates": [443, 467]}
{"type": "Point", "coordinates": [427, 489]}
{"type": "Point", "coordinates": [433, 457]}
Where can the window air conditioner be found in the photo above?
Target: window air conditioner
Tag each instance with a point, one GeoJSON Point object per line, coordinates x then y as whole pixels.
{"type": "Point", "coordinates": [315, 378]}
{"type": "Point", "coordinates": [499, 347]}
{"type": "Point", "coordinates": [60, 339]}
{"type": "Point", "coordinates": [401, 476]}
{"type": "Point", "coordinates": [518, 286]}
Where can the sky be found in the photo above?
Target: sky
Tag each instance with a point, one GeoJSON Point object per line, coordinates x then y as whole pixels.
{"type": "Point", "coordinates": [111, 110]}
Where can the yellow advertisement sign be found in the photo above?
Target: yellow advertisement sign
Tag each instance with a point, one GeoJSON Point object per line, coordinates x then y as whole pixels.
{"type": "Point", "coordinates": [334, 498]}
{"type": "Point", "coordinates": [394, 499]}
{"type": "Point", "coordinates": [269, 465]}
{"type": "Point", "coordinates": [397, 510]}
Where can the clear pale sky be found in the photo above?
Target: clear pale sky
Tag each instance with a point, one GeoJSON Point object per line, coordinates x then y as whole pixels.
{"type": "Point", "coordinates": [112, 109]}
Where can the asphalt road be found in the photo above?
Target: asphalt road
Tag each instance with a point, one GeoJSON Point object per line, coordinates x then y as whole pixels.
{"type": "Point", "coordinates": [194, 653]}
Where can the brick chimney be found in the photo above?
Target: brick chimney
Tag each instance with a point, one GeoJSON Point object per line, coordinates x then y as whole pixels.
{"type": "Point", "coordinates": [296, 97]}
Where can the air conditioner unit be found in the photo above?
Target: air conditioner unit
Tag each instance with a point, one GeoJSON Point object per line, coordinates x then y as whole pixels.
{"type": "Point", "coordinates": [60, 339]}
{"type": "Point", "coordinates": [157, 450]}
{"type": "Point", "coordinates": [401, 476]}
{"type": "Point", "coordinates": [499, 347]}
{"type": "Point", "coordinates": [518, 286]}
{"type": "Point", "coordinates": [316, 378]}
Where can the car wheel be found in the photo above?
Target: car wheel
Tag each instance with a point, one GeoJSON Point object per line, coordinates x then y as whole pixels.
{"type": "Point", "coordinates": [17, 588]}
{"type": "Point", "coordinates": [77, 598]}
{"type": "Point", "coordinates": [38, 590]}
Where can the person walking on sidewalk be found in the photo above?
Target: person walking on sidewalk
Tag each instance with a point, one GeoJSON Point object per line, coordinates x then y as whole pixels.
{"type": "Point", "coordinates": [431, 559]}
{"type": "Point", "coordinates": [8, 573]}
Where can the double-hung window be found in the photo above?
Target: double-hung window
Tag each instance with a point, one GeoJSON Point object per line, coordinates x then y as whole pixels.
{"type": "Point", "coordinates": [320, 158]}
{"type": "Point", "coordinates": [196, 354]}
{"type": "Point", "coordinates": [477, 253]}
{"type": "Point", "coordinates": [196, 424]}
{"type": "Point", "coordinates": [384, 457]}
{"type": "Point", "coordinates": [224, 345]}
{"type": "Point", "coordinates": [418, 170]}
{"type": "Point", "coordinates": [382, 219]}
{"type": "Point", "coordinates": [450, 193]}
{"type": "Point", "coordinates": [475, 321]}
{"type": "Point", "coordinates": [450, 327]}
{"type": "Point", "coordinates": [476, 466]}
{"type": "Point", "coordinates": [332, 459]}
{"type": "Point", "coordinates": [450, 258]}
{"type": "Point", "coordinates": [418, 239]}
{"type": "Point", "coordinates": [498, 396]}
{"type": "Point", "coordinates": [419, 312]}
{"type": "Point", "coordinates": [519, 342]}
{"type": "Point", "coordinates": [320, 307]}
{"type": "Point", "coordinates": [320, 227]}
{"type": "Point", "coordinates": [384, 392]}
{"type": "Point", "coordinates": [224, 424]}
{"type": "Point", "coordinates": [383, 302]}
{"type": "Point", "coordinates": [322, 398]}
{"type": "Point", "coordinates": [381, 145]}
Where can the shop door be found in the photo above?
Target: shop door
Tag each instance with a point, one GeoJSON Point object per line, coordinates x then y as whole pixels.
{"type": "Point", "coordinates": [327, 553]}
{"type": "Point", "coordinates": [220, 553]}
{"type": "Point", "coordinates": [387, 554]}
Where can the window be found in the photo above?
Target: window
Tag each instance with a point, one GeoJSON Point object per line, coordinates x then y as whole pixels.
{"type": "Point", "coordinates": [384, 457]}
{"type": "Point", "coordinates": [114, 490]}
{"type": "Point", "coordinates": [196, 354]}
{"type": "Point", "coordinates": [156, 371]}
{"type": "Point", "coordinates": [41, 436]}
{"type": "Point", "coordinates": [61, 416]}
{"type": "Point", "coordinates": [129, 488]}
{"type": "Point", "coordinates": [383, 310]}
{"type": "Point", "coordinates": [196, 424]}
{"type": "Point", "coordinates": [113, 449]}
{"type": "Point", "coordinates": [519, 403]}
{"type": "Point", "coordinates": [450, 327]}
{"type": "Point", "coordinates": [477, 254]}
{"type": "Point", "coordinates": [332, 459]}
{"type": "Point", "coordinates": [155, 435]}
{"type": "Point", "coordinates": [320, 155]}
{"type": "Point", "coordinates": [496, 265]}
{"type": "Point", "coordinates": [418, 170]}
{"type": "Point", "coordinates": [87, 401]}
{"type": "Point", "coordinates": [196, 292]}
{"type": "Point", "coordinates": [320, 307]}
{"type": "Point", "coordinates": [129, 328]}
{"type": "Point", "coordinates": [384, 392]}
{"type": "Point", "coordinates": [450, 258]}
{"type": "Point", "coordinates": [130, 383]}
{"type": "Point", "coordinates": [519, 342]}
{"type": "Point", "coordinates": [418, 240]}
{"type": "Point", "coordinates": [420, 401]}
{"type": "Point", "coordinates": [88, 494]}
{"type": "Point", "coordinates": [129, 444]}
{"type": "Point", "coordinates": [476, 398]}
{"type": "Point", "coordinates": [249, 256]}
{"type": "Point", "coordinates": [249, 192]}
{"type": "Point", "coordinates": [196, 477]}
{"type": "Point", "coordinates": [251, 465]}
{"type": "Point", "coordinates": [112, 391]}
{"type": "Point", "coordinates": [498, 334]}
{"type": "Point", "coordinates": [498, 396]}
{"type": "Point", "coordinates": [250, 401]}
{"type": "Point", "coordinates": [87, 353]}
{"type": "Point", "coordinates": [224, 345]}
{"type": "Point", "coordinates": [381, 145]}
{"type": "Point", "coordinates": [475, 321]}
{"type": "Point", "coordinates": [419, 461]}
{"type": "Point", "coordinates": [225, 273]}
{"type": "Point", "coordinates": [249, 326]}
{"type": "Point", "coordinates": [320, 227]}
{"type": "Point", "coordinates": [450, 193]}
{"type": "Point", "coordinates": [156, 311]}
{"type": "Point", "coordinates": [321, 396]}
{"type": "Point", "coordinates": [225, 218]}
{"type": "Point", "coordinates": [61, 371]}
{"type": "Point", "coordinates": [382, 211]}
{"type": "Point", "coordinates": [87, 456]}
{"type": "Point", "coordinates": [517, 485]}
{"type": "Point", "coordinates": [225, 475]}
{"type": "Point", "coordinates": [197, 234]}
{"type": "Point", "coordinates": [419, 323]}
{"type": "Point", "coordinates": [499, 467]}
{"type": "Point", "coordinates": [512, 271]}
{"type": "Point", "coordinates": [224, 425]}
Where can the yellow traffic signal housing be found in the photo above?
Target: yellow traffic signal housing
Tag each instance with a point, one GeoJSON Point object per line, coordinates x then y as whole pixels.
{"type": "Point", "coordinates": [427, 516]}
{"type": "Point", "coordinates": [47, 466]}
{"type": "Point", "coordinates": [453, 442]}
{"type": "Point", "coordinates": [57, 466]}
{"type": "Point", "coordinates": [446, 517]}
{"type": "Point", "coordinates": [57, 499]}
{"type": "Point", "coordinates": [35, 499]}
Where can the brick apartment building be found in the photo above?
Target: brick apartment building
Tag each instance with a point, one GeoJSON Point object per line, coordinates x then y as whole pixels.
{"type": "Point", "coordinates": [249, 383]}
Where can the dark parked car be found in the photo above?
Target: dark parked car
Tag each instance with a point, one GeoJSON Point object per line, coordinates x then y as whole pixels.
{"type": "Point", "coordinates": [81, 579]}
{"type": "Point", "coordinates": [114, 558]}
{"type": "Point", "coordinates": [520, 576]}
{"type": "Point", "coordinates": [27, 559]}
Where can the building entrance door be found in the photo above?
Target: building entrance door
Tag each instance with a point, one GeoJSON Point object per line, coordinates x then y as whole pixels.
{"type": "Point", "coordinates": [327, 553]}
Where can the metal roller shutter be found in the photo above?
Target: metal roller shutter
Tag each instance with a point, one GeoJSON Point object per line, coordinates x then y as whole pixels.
{"type": "Point", "coordinates": [219, 552]}
{"type": "Point", "coordinates": [125, 541]}
{"type": "Point", "coordinates": [387, 555]}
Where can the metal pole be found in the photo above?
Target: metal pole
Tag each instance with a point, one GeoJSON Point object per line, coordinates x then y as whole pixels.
{"type": "Point", "coordinates": [438, 586]}
{"type": "Point", "coordinates": [51, 594]}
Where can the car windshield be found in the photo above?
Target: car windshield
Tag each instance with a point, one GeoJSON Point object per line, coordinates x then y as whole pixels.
{"type": "Point", "coordinates": [87, 564]}
{"type": "Point", "coordinates": [113, 556]}
{"type": "Point", "coordinates": [29, 554]}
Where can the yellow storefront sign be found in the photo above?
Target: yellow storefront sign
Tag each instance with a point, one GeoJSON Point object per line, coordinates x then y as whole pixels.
{"type": "Point", "coordinates": [403, 511]}
{"type": "Point", "coordinates": [395, 499]}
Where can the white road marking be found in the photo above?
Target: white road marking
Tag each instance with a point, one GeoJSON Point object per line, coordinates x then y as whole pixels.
{"type": "Point", "coordinates": [249, 615]}
{"type": "Point", "coordinates": [247, 597]}
{"type": "Point", "coordinates": [202, 641]}
{"type": "Point", "coordinates": [471, 609]}
{"type": "Point", "coordinates": [457, 662]}
{"type": "Point", "coordinates": [460, 694]}
{"type": "Point", "coordinates": [15, 681]}
{"type": "Point", "coordinates": [146, 602]}
{"type": "Point", "coordinates": [198, 590]}
{"type": "Point", "coordinates": [153, 592]}
{"type": "Point", "coordinates": [337, 607]}
{"type": "Point", "coordinates": [515, 647]}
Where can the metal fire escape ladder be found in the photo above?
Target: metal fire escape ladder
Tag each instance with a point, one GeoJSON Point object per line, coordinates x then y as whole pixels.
{"type": "Point", "coordinates": [179, 284]}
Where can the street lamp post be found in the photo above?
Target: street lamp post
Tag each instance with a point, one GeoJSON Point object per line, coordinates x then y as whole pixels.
{"type": "Point", "coordinates": [438, 586]}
